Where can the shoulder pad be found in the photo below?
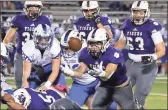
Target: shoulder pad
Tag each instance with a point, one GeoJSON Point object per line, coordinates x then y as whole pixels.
{"type": "Point", "coordinates": [155, 26]}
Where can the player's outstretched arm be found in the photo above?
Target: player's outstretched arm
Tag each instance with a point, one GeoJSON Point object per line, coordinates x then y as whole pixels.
{"type": "Point", "coordinates": [80, 70]}
{"type": "Point", "coordinates": [75, 73]}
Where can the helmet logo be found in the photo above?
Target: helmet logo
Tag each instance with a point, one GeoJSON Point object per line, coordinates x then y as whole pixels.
{"type": "Point", "coordinates": [88, 3]}
{"type": "Point", "coordinates": [138, 4]}
{"type": "Point", "coordinates": [22, 99]}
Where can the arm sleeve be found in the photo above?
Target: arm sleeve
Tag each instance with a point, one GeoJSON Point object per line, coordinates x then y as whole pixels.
{"type": "Point", "coordinates": [157, 37]}
{"type": "Point", "coordinates": [156, 32]}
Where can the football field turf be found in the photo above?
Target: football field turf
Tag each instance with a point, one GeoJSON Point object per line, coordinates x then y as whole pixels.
{"type": "Point", "coordinates": [156, 100]}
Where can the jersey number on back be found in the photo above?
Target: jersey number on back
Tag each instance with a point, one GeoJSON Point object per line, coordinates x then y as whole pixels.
{"type": "Point", "coordinates": [138, 43]}
{"type": "Point", "coordinates": [47, 98]}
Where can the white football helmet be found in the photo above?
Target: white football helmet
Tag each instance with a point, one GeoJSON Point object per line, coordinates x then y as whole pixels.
{"type": "Point", "coordinates": [33, 15]}
{"type": "Point", "coordinates": [21, 96]}
{"type": "Point", "coordinates": [90, 5]}
{"type": "Point", "coordinates": [43, 36]}
{"type": "Point", "coordinates": [64, 42]}
{"type": "Point", "coordinates": [140, 5]}
{"type": "Point", "coordinates": [67, 35]}
{"type": "Point", "coordinates": [97, 42]}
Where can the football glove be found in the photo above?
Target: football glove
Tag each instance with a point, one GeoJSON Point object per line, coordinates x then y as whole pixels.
{"type": "Point", "coordinates": [66, 70]}
{"type": "Point", "coordinates": [98, 71]}
{"type": "Point", "coordinates": [96, 17]}
{"type": "Point", "coordinates": [147, 59]}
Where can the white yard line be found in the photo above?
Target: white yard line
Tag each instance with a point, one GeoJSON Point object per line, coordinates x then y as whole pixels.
{"type": "Point", "coordinates": [163, 82]}
{"type": "Point", "coordinates": [158, 94]}
{"type": "Point", "coordinates": [164, 77]}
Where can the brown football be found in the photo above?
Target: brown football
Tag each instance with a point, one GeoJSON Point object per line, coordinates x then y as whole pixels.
{"type": "Point", "coordinates": [75, 44]}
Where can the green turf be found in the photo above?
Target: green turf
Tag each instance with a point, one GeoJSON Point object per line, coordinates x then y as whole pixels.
{"type": "Point", "coordinates": [156, 100]}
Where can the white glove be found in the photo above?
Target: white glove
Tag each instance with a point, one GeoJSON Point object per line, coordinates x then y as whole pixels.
{"type": "Point", "coordinates": [67, 71]}
{"type": "Point", "coordinates": [99, 70]}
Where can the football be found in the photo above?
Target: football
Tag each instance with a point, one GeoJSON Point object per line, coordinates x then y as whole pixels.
{"type": "Point", "coordinates": [75, 44]}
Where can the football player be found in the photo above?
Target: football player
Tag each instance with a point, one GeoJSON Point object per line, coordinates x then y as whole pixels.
{"type": "Point", "coordinates": [145, 44]}
{"type": "Point", "coordinates": [106, 63]}
{"type": "Point", "coordinates": [24, 25]}
{"type": "Point", "coordinates": [91, 19]}
{"type": "Point", "coordinates": [41, 59]}
{"type": "Point", "coordinates": [28, 97]}
{"type": "Point", "coordinates": [85, 85]}
{"type": "Point", "coordinates": [6, 90]}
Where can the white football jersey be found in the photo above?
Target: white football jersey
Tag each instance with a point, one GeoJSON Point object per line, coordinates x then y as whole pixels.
{"type": "Point", "coordinates": [33, 55]}
{"type": "Point", "coordinates": [71, 58]}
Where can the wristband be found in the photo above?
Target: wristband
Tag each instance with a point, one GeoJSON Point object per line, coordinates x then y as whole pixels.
{"type": "Point", "coordinates": [103, 74]}
{"type": "Point", "coordinates": [47, 84]}
{"type": "Point", "coordinates": [71, 73]}
{"type": "Point", "coordinates": [155, 57]}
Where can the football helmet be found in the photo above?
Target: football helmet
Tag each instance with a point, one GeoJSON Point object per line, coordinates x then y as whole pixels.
{"type": "Point", "coordinates": [92, 6]}
{"type": "Point", "coordinates": [43, 36]}
{"type": "Point", "coordinates": [33, 13]}
{"type": "Point", "coordinates": [140, 6]}
{"type": "Point", "coordinates": [21, 96]}
{"type": "Point", "coordinates": [97, 42]}
{"type": "Point", "coordinates": [64, 42]}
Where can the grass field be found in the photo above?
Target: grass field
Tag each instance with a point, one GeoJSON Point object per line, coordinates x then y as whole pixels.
{"type": "Point", "coordinates": [156, 100]}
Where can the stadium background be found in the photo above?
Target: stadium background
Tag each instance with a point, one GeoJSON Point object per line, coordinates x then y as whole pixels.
{"type": "Point", "coordinates": [63, 13]}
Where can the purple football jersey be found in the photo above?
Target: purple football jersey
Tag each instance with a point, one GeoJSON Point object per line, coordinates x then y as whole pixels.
{"type": "Point", "coordinates": [26, 27]}
{"type": "Point", "coordinates": [84, 26]}
{"type": "Point", "coordinates": [111, 55]}
{"type": "Point", "coordinates": [139, 38]}
{"type": "Point", "coordinates": [41, 100]}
